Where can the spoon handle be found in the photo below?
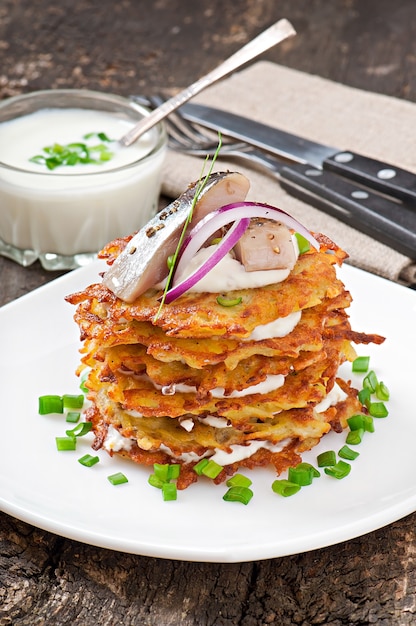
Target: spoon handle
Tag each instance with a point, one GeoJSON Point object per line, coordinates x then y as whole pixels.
{"type": "Point", "coordinates": [275, 34]}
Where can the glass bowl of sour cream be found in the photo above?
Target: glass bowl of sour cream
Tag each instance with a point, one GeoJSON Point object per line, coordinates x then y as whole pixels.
{"type": "Point", "coordinates": [67, 187]}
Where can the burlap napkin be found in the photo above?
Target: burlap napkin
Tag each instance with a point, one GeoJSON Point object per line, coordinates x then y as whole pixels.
{"type": "Point", "coordinates": [316, 108]}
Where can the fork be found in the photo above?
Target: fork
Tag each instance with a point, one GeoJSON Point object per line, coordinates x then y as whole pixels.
{"type": "Point", "coordinates": [189, 138]}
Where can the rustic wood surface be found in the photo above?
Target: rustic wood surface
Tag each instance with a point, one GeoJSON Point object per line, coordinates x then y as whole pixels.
{"type": "Point", "coordinates": [137, 46]}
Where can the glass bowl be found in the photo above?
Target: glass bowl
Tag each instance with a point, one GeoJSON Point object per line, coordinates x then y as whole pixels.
{"type": "Point", "coordinates": [64, 215]}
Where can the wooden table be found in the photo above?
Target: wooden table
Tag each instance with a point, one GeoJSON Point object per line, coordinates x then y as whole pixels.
{"type": "Point", "coordinates": [134, 46]}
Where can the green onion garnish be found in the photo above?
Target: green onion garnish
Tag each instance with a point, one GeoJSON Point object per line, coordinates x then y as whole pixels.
{"type": "Point", "coordinates": [117, 479]}
{"type": "Point", "coordinates": [303, 243]}
{"type": "Point", "coordinates": [346, 453]}
{"type": "Point", "coordinates": [80, 430]}
{"type": "Point", "coordinates": [368, 424]}
{"type": "Point", "coordinates": [73, 402]}
{"type": "Point", "coordinates": [82, 384]}
{"type": "Point", "coordinates": [356, 421]}
{"type": "Point", "coordinates": [340, 470]}
{"type": "Point", "coordinates": [203, 179]}
{"type": "Point", "coordinates": [154, 481]}
{"type": "Point", "coordinates": [169, 491]}
{"type": "Point", "coordinates": [364, 396]}
{"type": "Point", "coordinates": [66, 443]}
{"type": "Point", "coordinates": [73, 417]}
{"type": "Point", "coordinates": [88, 460]}
{"type": "Point", "coordinates": [303, 474]}
{"type": "Point", "coordinates": [285, 488]}
{"type": "Point", "coordinates": [238, 494]}
{"type": "Point", "coordinates": [200, 466]}
{"type": "Point", "coordinates": [75, 153]}
{"type": "Point", "coordinates": [50, 404]}
{"type": "Point", "coordinates": [370, 381]}
{"type": "Point", "coordinates": [212, 469]}
{"type": "Point", "coordinates": [166, 472]}
{"type": "Point", "coordinates": [382, 392]}
{"type": "Point", "coordinates": [378, 409]}
{"type": "Point", "coordinates": [360, 364]}
{"type": "Point", "coordinates": [326, 459]}
{"type": "Point", "coordinates": [355, 437]}
{"type": "Point", "coordinates": [229, 302]}
{"type": "Point", "coordinates": [238, 480]}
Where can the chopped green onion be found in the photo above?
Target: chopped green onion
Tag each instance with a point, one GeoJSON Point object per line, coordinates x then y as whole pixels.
{"type": "Point", "coordinates": [166, 472]}
{"type": "Point", "coordinates": [303, 243]}
{"type": "Point", "coordinates": [238, 480]}
{"type": "Point", "coordinates": [169, 491]}
{"type": "Point", "coordinates": [347, 453]}
{"type": "Point", "coordinates": [50, 404]}
{"type": "Point", "coordinates": [370, 381]}
{"type": "Point", "coordinates": [117, 479]}
{"type": "Point", "coordinates": [340, 470]}
{"type": "Point", "coordinates": [382, 392]}
{"type": "Point", "coordinates": [303, 474]}
{"type": "Point", "coordinates": [285, 488]}
{"type": "Point", "coordinates": [80, 430]}
{"type": "Point", "coordinates": [88, 460]}
{"type": "Point", "coordinates": [82, 384]}
{"type": "Point", "coordinates": [200, 466]}
{"type": "Point", "coordinates": [356, 422]}
{"type": "Point", "coordinates": [360, 364]}
{"type": "Point", "coordinates": [73, 402]}
{"type": "Point", "coordinates": [155, 481]}
{"type": "Point", "coordinates": [229, 302]}
{"type": "Point", "coordinates": [212, 469]}
{"type": "Point", "coordinates": [364, 396]}
{"type": "Point", "coordinates": [73, 417]}
{"type": "Point", "coordinates": [355, 437]}
{"type": "Point", "coordinates": [309, 467]}
{"type": "Point", "coordinates": [368, 423]}
{"type": "Point", "coordinates": [378, 409]}
{"type": "Point", "coordinates": [74, 153]}
{"type": "Point", "coordinates": [326, 458]}
{"type": "Point", "coordinates": [238, 494]}
{"type": "Point", "coordinates": [66, 443]}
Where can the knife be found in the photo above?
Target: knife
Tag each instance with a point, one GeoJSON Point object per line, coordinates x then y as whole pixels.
{"type": "Point", "coordinates": [383, 177]}
{"type": "Point", "coordinates": [385, 219]}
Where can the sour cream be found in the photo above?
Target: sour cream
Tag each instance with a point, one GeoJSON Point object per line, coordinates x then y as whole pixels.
{"type": "Point", "coordinates": [77, 209]}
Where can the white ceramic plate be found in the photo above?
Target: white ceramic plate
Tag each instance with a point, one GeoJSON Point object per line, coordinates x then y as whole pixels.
{"type": "Point", "coordinates": [51, 490]}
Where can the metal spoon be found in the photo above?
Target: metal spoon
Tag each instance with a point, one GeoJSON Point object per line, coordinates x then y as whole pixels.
{"type": "Point", "coordinates": [273, 35]}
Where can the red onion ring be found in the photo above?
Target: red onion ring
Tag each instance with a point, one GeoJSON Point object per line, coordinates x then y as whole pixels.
{"type": "Point", "coordinates": [227, 243]}
{"type": "Point", "coordinates": [228, 213]}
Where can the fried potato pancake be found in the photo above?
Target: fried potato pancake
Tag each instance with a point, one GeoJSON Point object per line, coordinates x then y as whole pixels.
{"type": "Point", "coordinates": [182, 381]}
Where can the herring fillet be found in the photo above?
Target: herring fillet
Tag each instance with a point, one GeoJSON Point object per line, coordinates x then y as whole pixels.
{"type": "Point", "coordinates": [142, 263]}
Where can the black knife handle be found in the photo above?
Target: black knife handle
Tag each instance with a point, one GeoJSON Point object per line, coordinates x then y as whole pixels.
{"type": "Point", "coordinates": [380, 176]}
{"type": "Point", "coordinates": [390, 222]}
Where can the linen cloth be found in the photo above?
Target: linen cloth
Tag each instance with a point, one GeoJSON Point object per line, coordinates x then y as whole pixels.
{"type": "Point", "coordinates": [375, 125]}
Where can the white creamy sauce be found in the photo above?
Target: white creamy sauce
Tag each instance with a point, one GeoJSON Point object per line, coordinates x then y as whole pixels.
{"type": "Point", "coordinates": [73, 209]}
{"type": "Point", "coordinates": [186, 457]}
{"type": "Point", "coordinates": [239, 453]}
{"type": "Point", "coordinates": [228, 275]}
{"type": "Point", "coordinates": [278, 328]}
{"type": "Point", "coordinates": [115, 442]}
{"type": "Point", "coordinates": [188, 424]}
{"type": "Point", "coordinates": [214, 421]}
{"type": "Point", "coordinates": [333, 397]}
{"type": "Point", "coordinates": [26, 136]}
{"type": "Point", "coordinates": [272, 382]}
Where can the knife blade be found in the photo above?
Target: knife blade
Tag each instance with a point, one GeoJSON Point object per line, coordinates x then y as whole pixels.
{"type": "Point", "coordinates": [386, 220]}
{"type": "Point", "coordinates": [380, 176]}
